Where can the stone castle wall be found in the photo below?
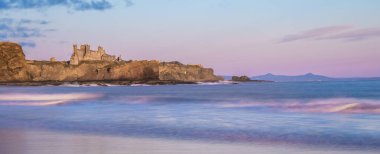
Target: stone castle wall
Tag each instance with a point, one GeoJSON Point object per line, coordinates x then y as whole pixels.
{"type": "Point", "coordinates": [84, 53]}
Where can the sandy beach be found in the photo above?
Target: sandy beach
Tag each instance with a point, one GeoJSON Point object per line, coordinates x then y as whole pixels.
{"type": "Point", "coordinates": [50, 142]}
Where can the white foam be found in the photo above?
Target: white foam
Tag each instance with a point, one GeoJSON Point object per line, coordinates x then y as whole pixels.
{"type": "Point", "coordinates": [36, 99]}
{"type": "Point", "coordinates": [140, 85]}
{"type": "Point", "coordinates": [338, 105]}
{"type": "Point", "coordinates": [216, 83]}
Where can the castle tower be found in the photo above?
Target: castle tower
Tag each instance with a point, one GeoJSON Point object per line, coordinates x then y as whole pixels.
{"type": "Point", "coordinates": [101, 50]}
{"type": "Point", "coordinates": [86, 49]}
{"type": "Point", "coordinates": [75, 48]}
{"type": "Point", "coordinates": [83, 48]}
{"type": "Point", "coordinates": [74, 60]}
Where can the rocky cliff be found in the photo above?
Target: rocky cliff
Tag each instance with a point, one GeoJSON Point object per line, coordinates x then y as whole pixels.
{"type": "Point", "coordinates": [92, 71]}
{"type": "Point", "coordinates": [180, 72]}
{"type": "Point", "coordinates": [15, 68]}
{"type": "Point", "coordinates": [12, 62]}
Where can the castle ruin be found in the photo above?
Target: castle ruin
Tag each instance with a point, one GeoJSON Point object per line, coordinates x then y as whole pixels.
{"type": "Point", "coordinates": [84, 53]}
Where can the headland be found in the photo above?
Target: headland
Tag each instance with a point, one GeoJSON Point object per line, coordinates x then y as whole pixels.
{"type": "Point", "coordinates": [87, 66]}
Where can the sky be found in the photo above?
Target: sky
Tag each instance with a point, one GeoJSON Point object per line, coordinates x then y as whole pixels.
{"type": "Point", "coordinates": [337, 38]}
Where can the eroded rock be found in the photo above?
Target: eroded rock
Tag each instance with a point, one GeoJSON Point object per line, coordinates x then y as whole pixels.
{"type": "Point", "coordinates": [14, 68]}
{"type": "Point", "coordinates": [241, 78]}
{"type": "Point", "coordinates": [12, 62]}
{"type": "Point", "coordinates": [180, 72]}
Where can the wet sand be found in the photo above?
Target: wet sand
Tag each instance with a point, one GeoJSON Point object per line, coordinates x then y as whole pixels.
{"type": "Point", "coordinates": [49, 142]}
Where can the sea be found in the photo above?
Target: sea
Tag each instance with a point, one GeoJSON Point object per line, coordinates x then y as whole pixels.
{"type": "Point", "coordinates": [224, 117]}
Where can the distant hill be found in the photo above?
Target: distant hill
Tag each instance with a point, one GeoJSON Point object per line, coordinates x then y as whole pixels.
{"type": "Point", "coordinates": [297, 78]}
{"type": "Point", "coordinates": [303, 78]}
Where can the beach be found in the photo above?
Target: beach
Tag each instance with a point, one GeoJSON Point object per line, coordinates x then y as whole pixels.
{"type": "Point", "coordinates": [48, 142]}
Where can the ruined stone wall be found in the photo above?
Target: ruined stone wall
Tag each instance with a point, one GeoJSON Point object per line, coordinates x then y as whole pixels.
{"type": "Point", "coordinates": [84, 53]}
{"type": "Point", "coordinates": [106, 57]}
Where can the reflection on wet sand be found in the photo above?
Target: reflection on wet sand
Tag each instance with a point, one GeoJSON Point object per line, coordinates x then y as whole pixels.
{"type": "Point", "coordinates": [28, 99]}
{"type": "Point", "coordinates": [46, 142]}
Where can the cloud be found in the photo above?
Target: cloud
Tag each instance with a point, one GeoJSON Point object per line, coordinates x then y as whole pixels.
{"type": "Point", "coordinates": [129, 3]}
{"type": "Point", "coordinates": [21, 30]}
{"type": "Point", "coordinates": [28, 21]}
{"type": "Point", "coordinates": [314, 33]}
{"type": "Point", "coordinates": [28, 44]}
{"type": "Point", "coordinates": [346, 33]}
{"type": "Point", "coordinates": [354, 35]}
{"type": "Point", "coordinates": [78, 5]}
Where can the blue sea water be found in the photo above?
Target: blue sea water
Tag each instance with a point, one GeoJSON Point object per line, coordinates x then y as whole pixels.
{"type": "Point", "coordinates": [341, 114]}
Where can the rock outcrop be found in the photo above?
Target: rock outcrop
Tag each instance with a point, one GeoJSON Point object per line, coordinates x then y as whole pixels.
{"type": "Point", "coordinates": [12, 62]}
{"type": "Point", "coordinates": [92, 71]}
{"type": "Point", "coordinates": [180, 72]}
{"type": "Point", "coordinates": [15, 68]}
{"type": "Point", "coordinates": [246, 79]}
{"type": "Point", "coordinates": [241, 78]}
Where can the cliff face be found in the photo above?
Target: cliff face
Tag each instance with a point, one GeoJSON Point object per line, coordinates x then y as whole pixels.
{"type": "Point", "coordinates": [14, 68]}
{"type": "Point", "coordinates": [180, 72]}
{"type": "Point", "coordinates": [12, 62]}
{"type": "Point", "coordinates": [93, 71]}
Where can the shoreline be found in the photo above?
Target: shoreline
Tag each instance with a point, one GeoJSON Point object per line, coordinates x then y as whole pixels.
{"type": "Point", "coordinates": [124, 83]}
{"type": "Point", "coordinates": [98, 83]}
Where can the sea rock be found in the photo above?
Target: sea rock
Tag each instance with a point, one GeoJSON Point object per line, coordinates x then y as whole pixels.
{"type": "Point", "coordinates": [241, 78]}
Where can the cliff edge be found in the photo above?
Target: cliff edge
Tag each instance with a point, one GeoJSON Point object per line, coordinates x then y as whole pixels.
{"type": "Point", "coordinates": [12, 62]}
{"type": "Point", "coordinates": [177, 71]}
{"type": "Point", "coordinates": [15, 68]}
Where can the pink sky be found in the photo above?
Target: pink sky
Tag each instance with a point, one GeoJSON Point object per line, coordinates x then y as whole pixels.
{"type": "Point", "coordinates": [234, 37]}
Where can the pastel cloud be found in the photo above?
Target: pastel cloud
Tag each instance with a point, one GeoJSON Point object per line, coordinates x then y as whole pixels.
{"type": "Point", "coordinates": [359, 34]}
{"type": "Point", "coordinates": [346, 33]}
{"type": "Point", "coordinates": [78, 5]}
{"type": "Point", "coordinates": [129, 3]}
{"type": "Point", "coordinates": [314, 33]}
{"type": "Point", "coordinates": [21, 30]}
{"type": "Point", "coordinates": [28, 44]}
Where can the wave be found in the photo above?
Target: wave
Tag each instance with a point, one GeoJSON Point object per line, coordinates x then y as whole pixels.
{"type": "Point", "coordinates": [140, 85]}
{"type": "Point", "coordinates": [339, 105]}
{"type": "Point", "coordinates": [35, 99]}
{"type": "Point", "coordinates": [84, 85]}
{"type": "Point", "coordinates": [216, 83]}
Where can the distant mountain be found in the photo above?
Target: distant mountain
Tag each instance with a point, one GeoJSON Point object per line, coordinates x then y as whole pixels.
{"type": "Point", "coordinates": [303, 78]}
{"type": "Point", "coordinates": [297, 78]}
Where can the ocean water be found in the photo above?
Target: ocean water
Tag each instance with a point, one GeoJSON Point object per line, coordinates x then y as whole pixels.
{"type": "Point", "coordinates": [323, 116]}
